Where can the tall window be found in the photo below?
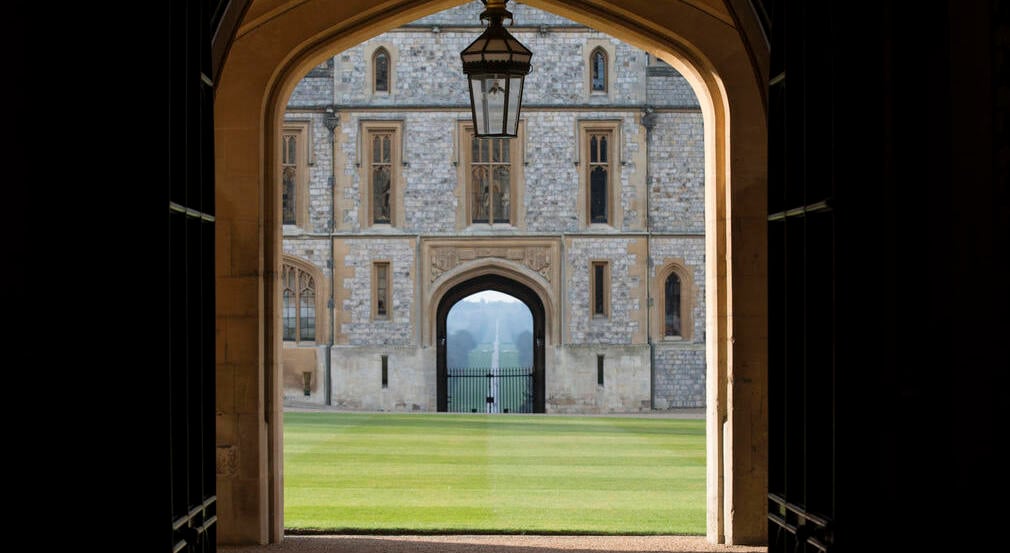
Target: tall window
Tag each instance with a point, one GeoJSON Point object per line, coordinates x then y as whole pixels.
{"type": "Point", "coordinates": [380, 147]}
{"type": "Point", "coordinates": [672, 319]}
{"type": "Point", "coordinates": [381, 295]}
{"type": "Point", "coordinates": [598, 284]}
{"type": "Point", "coordinates": [599, 176]}
{"type": "Point", "coordinates": [289, 176]}
{"type": "Point", "coordinates": [381, 170]}
{"type": "Point", "coordinates": [307, 309]}
{"type": "Point", "coordinates": [380, 70]}
{"type": "Point", "coordinates": [298, 314]}
{"type": "Point", "coordinates": [598, 70]}
{"type": "Point", "coordinates": [490, 180]}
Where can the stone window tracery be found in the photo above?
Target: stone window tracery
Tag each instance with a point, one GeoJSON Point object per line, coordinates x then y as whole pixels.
{"type": "Point", "coordinates": [490, 180]}
{"type": "Point", "coordinates": [298, 313]}
{"type": "Point", "coordinates": [672, 317]}
{"type": "Point", "coordinates": [598, 70]}
{"type": "Point", "coordinates": [381, 70]}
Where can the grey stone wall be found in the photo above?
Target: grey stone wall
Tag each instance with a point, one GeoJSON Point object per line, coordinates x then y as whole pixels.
{"type": "Point", "coordinates": [313, 250]}
{"type": "Point", "coordinates": [427, 75]}
{"type": "Point", "coordinates": [357, 378]}
{"type": "Point", "coordinates": [619, 326]}
{"type": "Point", "coordinates": [665, 87]}
{"type": "Point", "coordinates": [552, 180]}
{"type": "Point", "coordinates": [430, 177]}
{"type": "Point", "coordinates": [677, 173]}
{"type": "Point", "coordinates": [572, 385]}
{"type": "Point", "coordinates": [680, 365]}
{"type": "Point", "coordinates": [680, 376]}
{"type": "Point", "coordinates": [469, 14]}
{"type": "Point", "coordinates": [351, 148]}
{"type": "Point", "coordinates": [362, 330]}
{"type": "Point", "coordinates": [427, 69]}
{"type": "Point", "coordinates": [320, 160]}
{"type": "Point", "coordinates": [692, 251]}
{"type": "Point", "coordinates": [317, 85]}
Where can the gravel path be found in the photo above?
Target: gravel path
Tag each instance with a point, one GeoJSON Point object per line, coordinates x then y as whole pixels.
{"type": "Point", "coordinates": [489, 544]}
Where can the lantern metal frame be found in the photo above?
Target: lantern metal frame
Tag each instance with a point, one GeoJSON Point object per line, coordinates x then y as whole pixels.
{"type": "Point", "coordinates": [494, 58]}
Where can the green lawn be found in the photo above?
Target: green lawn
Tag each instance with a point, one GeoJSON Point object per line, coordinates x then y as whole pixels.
{"type": "Point", "coordinates": [499, 473]}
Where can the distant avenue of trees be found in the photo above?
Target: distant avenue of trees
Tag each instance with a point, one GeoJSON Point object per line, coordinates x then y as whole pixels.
{"type": "Point", "coordinates": [458, 349]}
{"type": "Point", "coordinates": [471, 324]}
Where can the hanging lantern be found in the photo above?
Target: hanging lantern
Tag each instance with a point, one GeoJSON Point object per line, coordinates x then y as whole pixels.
{"type": "Point", "coordinates": [496, 64]}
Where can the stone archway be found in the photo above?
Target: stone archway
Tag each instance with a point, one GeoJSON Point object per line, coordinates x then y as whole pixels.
{"type": "Point", "coordinates": [710, 43]}
{"type": "Point", "coordinates": [508, 286]}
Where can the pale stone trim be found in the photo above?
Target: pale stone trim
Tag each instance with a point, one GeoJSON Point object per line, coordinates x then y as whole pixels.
{"type": "Point", "coordinates": [369, 63]}
{"type": "Point", "coordinates": [462, 133]}
{"type": "Point", "coordinates": [373, 297]}
{"type": "Point", "coordinates": [365, 129]}
{"type": "Point", "coordinates": [322, 316]}
{"type": "Point", "coordinates": [587, 81]}
{"type": "Point", "coordinates": [688, 293]}
{"type": "Point", "coordinates": [546, 287]}
{"type": "Point", "coordinates": [270, 54]}
{"type": "Point", "coordinates": [605, 285]}
{"type": "Point", "coordinates": [302, 131]}
{"type": "Point", "coordinates": [615, 210]}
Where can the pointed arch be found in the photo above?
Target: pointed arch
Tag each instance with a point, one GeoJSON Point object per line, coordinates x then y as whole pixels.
{"type": "Point", "coordinates": [674, 318]}
{"type": "Point", "coordinates": [300, 306]}
{"type": "Point", "coordinates": [382, 68]}
{"type": "Point", "coordinates": [599, 78]}
{"type": "Point", "coordinates": [274, 48]}
{"type": "Point", "coordinates": [497, 281]}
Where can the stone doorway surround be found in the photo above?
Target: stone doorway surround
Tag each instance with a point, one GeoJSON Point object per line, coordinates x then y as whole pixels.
{"type": "Point", "coordinates": [715, 44]}
{"type": "Point", "coordinates": [531, 262]}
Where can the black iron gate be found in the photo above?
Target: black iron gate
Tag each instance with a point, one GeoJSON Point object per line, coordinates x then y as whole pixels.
{"type": "Point", "coordinates": [486, 390]}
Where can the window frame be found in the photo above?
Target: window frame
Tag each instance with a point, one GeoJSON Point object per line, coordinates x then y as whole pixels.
{"type": "Point", "coordinates": [374, 77]}
{"type": "Point", "coordinates": [679, 309]}
{"type": "Point", "coordinates": [604, 286]}
{"type": "Point", "coordinates": [367, 130]}
{"type": "Point", "coordinates": [368, 61]}
{"type": "Point", "coordinates": [606, 70]}
{"type": "Point", "coordinates": [388, 265]}
{"type": "Point", "coordinates": [687, 301]}
{"type": "Point", "coordinates": [615, 213]}
{"type": "Point", "coordinates": [301, 131]}
{"type": "Point", "coordinates": [302, 268]}
{"type": "Point", "coordinates": [608, 48]}
{"type": "Point", "coordinates": [464, 191]}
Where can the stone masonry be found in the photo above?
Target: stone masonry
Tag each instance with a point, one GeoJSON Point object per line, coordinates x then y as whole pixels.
{"type": "Point", "coordinates": [659, 186]}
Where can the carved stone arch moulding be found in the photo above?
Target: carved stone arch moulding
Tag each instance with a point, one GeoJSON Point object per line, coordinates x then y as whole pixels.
{"type": "Point", "coordinates": [535, 263]}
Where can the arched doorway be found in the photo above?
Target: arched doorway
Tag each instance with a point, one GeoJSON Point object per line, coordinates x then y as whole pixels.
{"type": "Point", "coordinates": [506, 286]}
{"type": "Point", "coordinates": [725, 60]}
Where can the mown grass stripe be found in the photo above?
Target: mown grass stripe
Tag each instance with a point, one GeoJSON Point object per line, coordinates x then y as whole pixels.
{"type": "Point", "coordinates": [494, 474]}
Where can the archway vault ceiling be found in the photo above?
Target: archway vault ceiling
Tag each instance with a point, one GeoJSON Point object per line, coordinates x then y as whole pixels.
{"type": "Point", "coordinates": [732, 26]}
{"type": "Point", "coordinates": [262, 11]}
{"type": "Point", "coordinates": [716, 44]}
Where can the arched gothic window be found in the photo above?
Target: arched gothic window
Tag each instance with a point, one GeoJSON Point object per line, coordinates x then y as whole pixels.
{"type": "Point", "coordinates": [672, 325]}
{"type": "Point", "coordinates": [380, 70]}
{"type": "Point", "coordinates": [289, 169]}
{"type": "Point", "coordinates": [598, 70]}
{"type": "Point", "coordinates": [298, 313]}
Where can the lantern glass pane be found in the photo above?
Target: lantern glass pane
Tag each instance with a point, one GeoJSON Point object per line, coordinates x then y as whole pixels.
{"type": "Point", "coordinates": [495, 96]}
{"type": "Point", "coordinates": [477, 101]}
{"type": "Point", "coordinates": [515, 97]}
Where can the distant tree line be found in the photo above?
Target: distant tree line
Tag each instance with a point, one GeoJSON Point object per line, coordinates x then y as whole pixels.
{"type": "Point", "coordinates": [471, 324]}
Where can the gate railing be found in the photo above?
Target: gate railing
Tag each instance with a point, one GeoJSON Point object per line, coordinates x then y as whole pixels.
{"type": "Point", "coordinates": [490, 390]}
